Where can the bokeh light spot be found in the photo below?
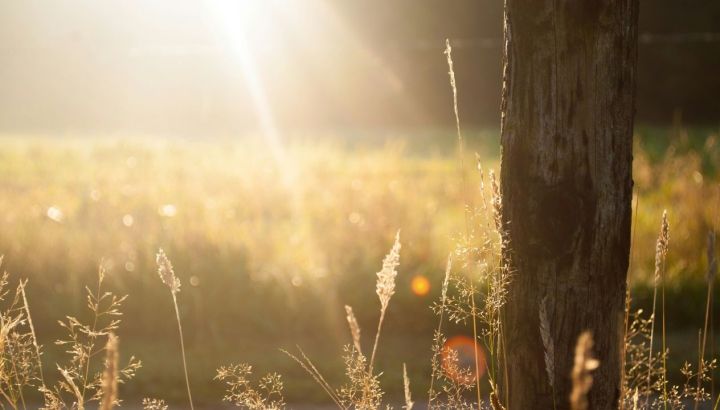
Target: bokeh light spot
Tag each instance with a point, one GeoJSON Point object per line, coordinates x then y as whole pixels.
{"type": "Point", "coordinates": [167, 210]}
{"type": "Point", "coordinates": [55, 214]}
{"type": "Point", "coordinates": [420, 285]}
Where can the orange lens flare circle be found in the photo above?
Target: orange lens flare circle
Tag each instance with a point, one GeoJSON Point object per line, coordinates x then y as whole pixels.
{"type": "Point", "coordinates": [420, 285]}
{"type": "Point", "coordinates": [458, 359]}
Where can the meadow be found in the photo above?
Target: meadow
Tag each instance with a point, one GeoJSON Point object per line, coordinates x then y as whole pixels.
{"type": "Point", "coordinates": [271, 242]}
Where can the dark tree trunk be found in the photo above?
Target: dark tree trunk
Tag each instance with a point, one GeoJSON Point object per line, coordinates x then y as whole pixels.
{"type": "Point", "coordinates": [567, 123]}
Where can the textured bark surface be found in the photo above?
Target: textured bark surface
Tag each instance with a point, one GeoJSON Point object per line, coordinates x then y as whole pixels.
{"type": "Point", "coordinates": [567, 121]}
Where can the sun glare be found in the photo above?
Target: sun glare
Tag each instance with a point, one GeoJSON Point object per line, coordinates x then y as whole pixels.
{"type": "Point", "coordinates": [256, 35]}
{"type": "Point", "coordinates": [241, 23]}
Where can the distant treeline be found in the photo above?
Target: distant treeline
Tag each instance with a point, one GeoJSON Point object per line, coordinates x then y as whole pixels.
{"type": "Point", "coordinates": [678, 65]}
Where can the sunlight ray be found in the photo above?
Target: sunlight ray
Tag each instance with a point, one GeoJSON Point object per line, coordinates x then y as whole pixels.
{"type": "Point", "coordinates": [232, 17]}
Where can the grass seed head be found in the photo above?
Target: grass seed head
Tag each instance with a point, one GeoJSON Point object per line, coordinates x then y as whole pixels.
{"type": "Point", "coordinates": [661, 247]}
{"type": "Point", "coordinates": [154, 404]}
{"type": "Point", "coordinates": [406, 387]}
{"type": "Point", "coordinates": [166, 272]}
{"type": "Point", "coordinates": [354, 328]}
{"type": "Point", "coordinates": [386, 276]}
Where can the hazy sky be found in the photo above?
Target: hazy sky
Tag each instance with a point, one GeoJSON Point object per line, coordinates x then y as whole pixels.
{"type": "Point", "coordinates": [219, 67]}
{"type": "Point", "coordinates": [190, 66]}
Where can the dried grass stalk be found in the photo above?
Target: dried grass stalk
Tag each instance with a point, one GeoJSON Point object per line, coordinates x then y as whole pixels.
{"type": "Point", "coordinates": [310, 368]}
{"type": "Point", "coordinates": [437, 337]}
{"type": "Point", "coordinates": [80, 400]}
{"type": "Point", "coordinates": [661, 248]}
{"type": "Point", "coordinates": [406, 387]}
{"type": "Point", "coordinates": [494, 399]}
{"type": "Point", "coordinates": [581, 378]}
{"type": "Point", "coordinates": [712, 261]}
{"type": "Point", "coordinates": [166, 272]}
{"type": "Point", "coordinates": [385, 288]}
{"type": "Point", "coordinates": [154, 404]}
{"type": "Point", "coordinates": [710, 278]}
{"type": "Point", "coordinates": [167, 275]}
{"type": "Point", "coordinates": [26, 307]}
{"type": "Point", "coordinates": [110, 375]}
{"type": "Point", "coordinates": [354, 328]}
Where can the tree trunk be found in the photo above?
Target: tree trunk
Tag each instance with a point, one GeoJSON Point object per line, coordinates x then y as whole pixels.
{"type": "Point", "coordinates": [567, 123]}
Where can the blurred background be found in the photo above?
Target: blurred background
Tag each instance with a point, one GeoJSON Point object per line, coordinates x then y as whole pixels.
{"type": "Point", "coordinates": [194, 68]}
{"type": "Point", "coordinates": [273, 148]}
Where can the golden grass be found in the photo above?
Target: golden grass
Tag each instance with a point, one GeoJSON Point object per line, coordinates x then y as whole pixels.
{"type": "Point", "coordinates": [473, 291]}
{"type": "Point", "coordinates": [110, 374]}
{"type": "Point", "coordinates": [167, 275]}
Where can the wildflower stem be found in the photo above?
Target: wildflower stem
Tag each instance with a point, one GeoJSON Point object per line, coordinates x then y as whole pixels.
{"type": "Point", "coordinates": [660, 252]}
{"type": "Point", "coordinates": [377, 338]}
{"type": "Point", "coordinates": [628, 301]}
{"type": "Point", "coordinates": [650, 349]}
{"type": "Point", "coordinates": [505, 365]}
{"type": "Point", "coordinates": [701, 362]}
{"type": "Point", "coordinates": [475, 339]}
{"type": "Point", "coordinates": [182, 349]}
{"type": "Point", "coordinates": [437, 336]}
{"type": "Point", "coordinates": [32, 332]}
{"type": "Point", "coordinates": [664, 339]}
{"type": "Point", "coordinates": [461, 154]}
{"type": "Point", "coordinates": [91, 344]}
{"type": "Point", "coordinates": [19, 384]}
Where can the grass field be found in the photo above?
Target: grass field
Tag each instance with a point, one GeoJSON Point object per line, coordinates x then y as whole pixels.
{"type": "Point", "coordinates": [269, 244]}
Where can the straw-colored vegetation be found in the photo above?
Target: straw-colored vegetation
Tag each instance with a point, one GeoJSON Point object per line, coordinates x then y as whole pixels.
{"type": "Point", "coordinates": [226, 221]}
{"type": "Point", "coordinates": [471, 295]}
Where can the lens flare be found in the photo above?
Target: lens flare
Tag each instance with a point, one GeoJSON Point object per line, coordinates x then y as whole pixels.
{"type": "Point", "coordinates": [420, 285]}
{"type": "Point", "coordinates": [458, 359]}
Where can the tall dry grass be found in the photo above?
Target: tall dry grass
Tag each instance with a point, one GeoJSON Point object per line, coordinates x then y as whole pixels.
{"type": "Point", "coordinates": [167, 275]}
{"type": "Point", "coordinates": [83, 381]}
{"type": "Point", "coordinates": [645, 373]}
{"type": "Point", "coordinates": [110, 374]}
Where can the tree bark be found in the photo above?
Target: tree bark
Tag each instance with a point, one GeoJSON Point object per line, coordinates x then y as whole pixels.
{"type": "Point", "coordinates": [567, 121]}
